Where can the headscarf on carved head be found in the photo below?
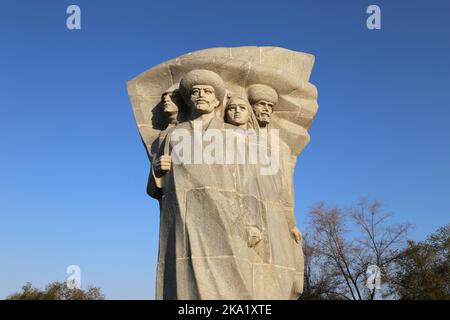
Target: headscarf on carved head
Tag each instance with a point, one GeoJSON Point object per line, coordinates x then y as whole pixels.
{"type": "Point", "coordinates": [202, 77]}
{"type": "Point", "coordinates": [252, 123]}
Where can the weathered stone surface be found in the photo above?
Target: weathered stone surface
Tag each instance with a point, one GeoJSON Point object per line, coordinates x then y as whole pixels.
{"type": "Point", "coordinates": [241, 115]}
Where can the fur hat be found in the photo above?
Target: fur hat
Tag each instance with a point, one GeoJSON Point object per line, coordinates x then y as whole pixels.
{"type": "Point", "coordinates": [202, 77]}
{"type": "Point", "coordinates": [258, 92]}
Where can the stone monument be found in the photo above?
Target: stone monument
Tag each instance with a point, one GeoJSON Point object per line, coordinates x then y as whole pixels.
{"type": "Point", "coordinates": [223, 128]}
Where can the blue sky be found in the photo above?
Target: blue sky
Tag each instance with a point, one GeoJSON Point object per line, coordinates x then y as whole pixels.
{"type": "Point", "coordinates": [73, 170]}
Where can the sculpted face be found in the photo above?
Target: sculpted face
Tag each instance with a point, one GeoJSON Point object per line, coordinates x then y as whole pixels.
{"type": "Point", "coordinates": [237, 112]}
{"type": "Point", "coordinates": [263, 109]}
{"type": "Point", "coordinates": [203, 98]}
{"type": "Point", "coordinates": [170, 100]}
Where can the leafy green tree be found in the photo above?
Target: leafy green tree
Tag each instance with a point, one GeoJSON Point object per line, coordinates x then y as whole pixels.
{"type": "Point", "coordinates": [423, 272]}
{"type": "Point", "coordinates": [57, 291]}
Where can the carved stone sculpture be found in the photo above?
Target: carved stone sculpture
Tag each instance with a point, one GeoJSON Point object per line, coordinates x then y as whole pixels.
{"type": "Point", "coordinates": [223, 128]}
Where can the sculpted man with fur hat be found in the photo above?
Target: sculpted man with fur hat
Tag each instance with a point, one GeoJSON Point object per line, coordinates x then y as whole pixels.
{"type": "Point", "coordinates": [263, 99]}
{"type": "Point", "coordinates": [203, 91]}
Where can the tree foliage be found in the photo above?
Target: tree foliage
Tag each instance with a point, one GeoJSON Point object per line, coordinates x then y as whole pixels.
{"type": "Point", "coordinates": [423, 270]}
{"type": "Point", "coordinates": [56, 291]}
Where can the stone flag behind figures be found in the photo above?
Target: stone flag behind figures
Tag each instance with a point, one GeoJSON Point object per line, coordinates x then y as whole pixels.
{"type": "Point", "coordinates": [225, 181]}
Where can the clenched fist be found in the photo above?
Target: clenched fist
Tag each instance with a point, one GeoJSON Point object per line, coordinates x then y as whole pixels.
{"type": "Point", "coordinates": [162, 165]}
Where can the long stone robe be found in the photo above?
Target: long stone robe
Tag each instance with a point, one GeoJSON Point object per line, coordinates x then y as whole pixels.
{"type": "Point", "coordinates": [209, 213]}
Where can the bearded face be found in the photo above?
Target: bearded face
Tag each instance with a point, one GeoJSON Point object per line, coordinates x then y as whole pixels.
{"type": "Point", "coordinates": [263, 109]}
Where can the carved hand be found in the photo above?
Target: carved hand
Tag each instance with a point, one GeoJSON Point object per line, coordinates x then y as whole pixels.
{"type": "Point", "coordinates": [296, 234]}
{"type": "Point", "coordinates": [253, 236]}
{"type": "Point", "coordinates": [162, 165]}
